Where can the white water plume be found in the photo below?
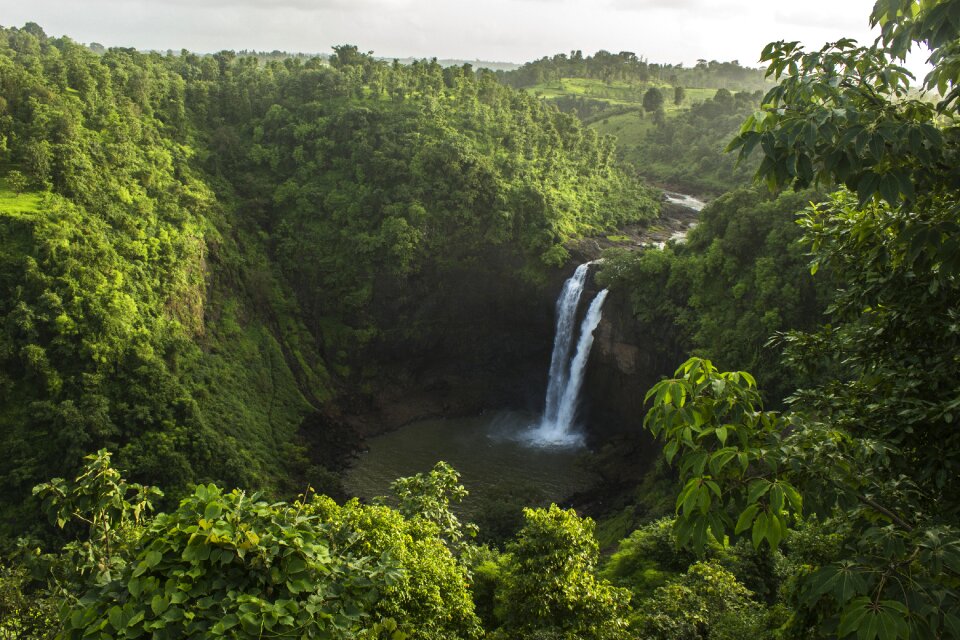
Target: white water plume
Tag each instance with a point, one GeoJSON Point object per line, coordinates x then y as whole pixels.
{"type": "Point", "coordinates": [557, 425]}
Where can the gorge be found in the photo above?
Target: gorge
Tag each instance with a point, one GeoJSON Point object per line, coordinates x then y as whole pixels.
{"type": "Point", "coordinates": [277, 331]}
{"type": "Point", "coordinates": [507, 450]}
{"type": "Point", "coordinates": [503, 451]}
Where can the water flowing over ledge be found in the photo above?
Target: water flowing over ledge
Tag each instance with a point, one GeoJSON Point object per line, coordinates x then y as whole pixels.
{"type": "Point", "coordinates": [557, 426]}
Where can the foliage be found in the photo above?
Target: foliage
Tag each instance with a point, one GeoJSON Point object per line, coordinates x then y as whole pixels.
{"type": "Point", "coordinates": [714, 425]}
{"type": "Point", "coordinates": [707, 602]}
{"type": "Point", "coordinates": [549, 580]}
{"type": "Point", "coordinates": [679, 93]}
{"type": "Point", "coordinates": [428, 596]}
{"type": "Point", "coordinates": [16, 181]}
{"type": "Point", "coordinates": [388, 184]}
{"type": "Point", "coordinates": [741, 277]}
{"type": "Point", "coordinates": [232, 565]}
{"type": "Point", "coordinates": [742, 473]}
{"type": "Point", "coordinates": [687, 150]}
{"type": "Point", "coordinates": [26, 613]}
{"type": "Point", "coordinates": [216, 249]}
{"type": "Point", "coordinates": [652, 100]}
{"type": "Point", "coordinates": [650, 557]}
{"type": "Point", "coordinates": [485, 568]}
{"type": "Point", "coordinates": [101, 501]}
{"type": "Point", "coordinates": [844, 114]}
{"type": "Point", "coordinates": [225, 562]}
{"type": "Point", "coordinates": [647, 559]}
{"type": "Point", "coordinates": [429, 496]}
{"type": "Point", "coordinates": [878, 429]}
{"type": "Point", "coordinates": [884, 443]}
{"type": "Point", "coordinates": [109, 309]}
{"type": "Point", "coordinates": [626, 66]}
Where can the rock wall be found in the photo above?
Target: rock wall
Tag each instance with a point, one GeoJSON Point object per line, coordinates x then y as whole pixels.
{"type": "Point", "coordinates": [625, 362]}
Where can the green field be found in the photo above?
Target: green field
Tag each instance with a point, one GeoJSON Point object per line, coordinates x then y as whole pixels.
{"type": "Point", "coordinates": [12, 203]}
{"type": "Point", "coordinates": [625, 118]}
{"type": "Point", "coordinates": [617, 93]}
{"type": "Point", "coordinates": [629, 128]}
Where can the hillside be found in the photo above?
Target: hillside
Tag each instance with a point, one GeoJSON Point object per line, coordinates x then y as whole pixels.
{"type": "Point", "coordinates": [671, 123]}
{"type": "Point", "coordinates": [212, 259]}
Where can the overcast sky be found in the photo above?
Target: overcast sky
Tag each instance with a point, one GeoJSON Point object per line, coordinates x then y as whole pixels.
{"type": "Point", "coordinates": [499, 30]}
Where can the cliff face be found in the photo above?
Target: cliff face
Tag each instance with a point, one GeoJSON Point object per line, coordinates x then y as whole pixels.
{"type": "Point", "coordinates": [480, 340]}
{"type": "Point", "coordinates": [627, 357]}
{"type": "Point", "coordinates": [624, 364]}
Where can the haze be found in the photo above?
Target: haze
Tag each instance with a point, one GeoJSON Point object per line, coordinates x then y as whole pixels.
{"type": "Point", "coordinates": [498, 30]}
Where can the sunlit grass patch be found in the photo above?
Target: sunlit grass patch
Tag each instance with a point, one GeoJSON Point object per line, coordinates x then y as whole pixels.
{"type": "Point", "coordinates": [14, 203]}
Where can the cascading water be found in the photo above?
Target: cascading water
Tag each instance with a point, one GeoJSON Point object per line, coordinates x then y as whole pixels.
{"type": "Point", "coordinates": [571, 394]}
{"type": "Point", "coordinates": [567, 305]}
{"type": "Point", "coordinates": [556, 427]}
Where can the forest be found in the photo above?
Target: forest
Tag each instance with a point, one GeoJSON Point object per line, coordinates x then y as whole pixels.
{"type": "Point", "coordinates": [222, 275]}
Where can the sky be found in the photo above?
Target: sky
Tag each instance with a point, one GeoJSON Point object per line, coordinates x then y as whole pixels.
{"type": "Point", "coordinates": [665, 31]}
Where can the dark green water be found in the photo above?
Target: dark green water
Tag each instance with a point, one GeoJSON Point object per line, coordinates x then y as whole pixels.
{"type": "Point", "coordinates": [489, 452]}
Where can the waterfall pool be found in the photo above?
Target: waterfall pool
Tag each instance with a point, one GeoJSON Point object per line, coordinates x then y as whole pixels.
{"type": "Point", "coordinates": [492, 452]}
{"type": "Point", "coordinates": [505, 454]}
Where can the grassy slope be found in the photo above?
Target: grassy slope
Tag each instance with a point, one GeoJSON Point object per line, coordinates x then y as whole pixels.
{"type": "Point", "coordinates": [626, 121]}
{"type": "Point", "coordinates": [14, 205]}
{"type": "Point", "coordinates": [616, 93]}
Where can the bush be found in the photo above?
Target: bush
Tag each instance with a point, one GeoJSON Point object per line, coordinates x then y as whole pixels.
{"type": "Point", "coordinates": [706, 603]}
{"type": "Point", "coordinates": [550, 583]}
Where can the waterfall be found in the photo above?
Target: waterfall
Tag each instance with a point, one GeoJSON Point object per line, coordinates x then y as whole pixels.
{"type": "Point", "coordinates": [567, 304]}
{"type": "Point", "coordinates": [571, 394]}
{"type": "Point", "coordinates": [566, 375]}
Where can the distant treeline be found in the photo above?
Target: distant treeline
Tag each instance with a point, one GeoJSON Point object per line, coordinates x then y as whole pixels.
{"type": "Point", "coordinates": [626, 66]}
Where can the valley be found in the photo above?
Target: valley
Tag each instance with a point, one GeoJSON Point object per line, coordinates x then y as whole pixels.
{"type": "Point", "coordinates": [586, 348]}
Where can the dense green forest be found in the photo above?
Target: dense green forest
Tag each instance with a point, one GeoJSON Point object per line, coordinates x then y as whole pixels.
{"type": "Point", "coordinates": [205, 250]}
{"type": "Point", "coordinates": [208, 264]}
{"type": "Point", "coordinates": [686, 151]}
{"type": "Point", "coordinates": [742, 276]}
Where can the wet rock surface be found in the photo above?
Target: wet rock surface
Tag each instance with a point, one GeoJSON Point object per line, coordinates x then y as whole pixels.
{"type": "Point", "coordinates": [675, 221]}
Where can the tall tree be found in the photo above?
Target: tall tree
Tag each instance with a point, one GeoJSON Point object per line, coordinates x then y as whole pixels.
{"type": "Point", "coordinates": [679, 93]}
{"type": "Point", "coordinates": [652, 100]}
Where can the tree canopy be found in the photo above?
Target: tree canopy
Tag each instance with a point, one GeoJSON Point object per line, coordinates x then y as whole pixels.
{"type": "Point", "coordinates": [869, 445]}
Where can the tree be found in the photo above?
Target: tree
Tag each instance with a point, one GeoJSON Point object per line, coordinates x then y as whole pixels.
{"type": "Point", "coordinates": [844, 114]}
{"type": "Point", "coordinates": [429, 495]}
{"type": "Point", "coordinates": [17, 182]}
{"type": "Point", "coordinates": [229, 564]}
{"type": "Point", "coordinates": [101, 501]}
{"type": "Point", "coordinates": [679, 93]}
{"type": "Point", "coordinates": [714, 421]}
{"type": "Point", "coordinates": [37, 162]}
{"type": "Point", "coordinates": [425, 593]}
{"type": "Point", "coordinates": [706, 602]}
{"type": "Point", "coordinates": [348, 54]}
{"type": "Point", "coordinates": [892, 237]}
{"type": "Point", "coordinates": [550, 581]}
{"type": "Point", "coordinates": [652, 100]}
